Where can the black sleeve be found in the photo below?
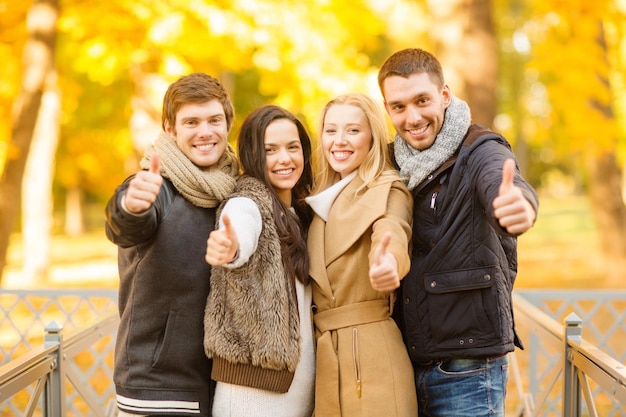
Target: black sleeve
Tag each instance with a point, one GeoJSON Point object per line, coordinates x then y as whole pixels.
{"type": "Point", "coordinates": [126, 229]}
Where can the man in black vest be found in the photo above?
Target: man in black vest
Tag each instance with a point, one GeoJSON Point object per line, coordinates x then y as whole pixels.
{"type": "Point", "coordinates": [470, 204]}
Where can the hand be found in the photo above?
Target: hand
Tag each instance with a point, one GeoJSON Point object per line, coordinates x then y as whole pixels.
{"type": "Point", "coordinates": [513, 211]}
{"type": "Point", "coordinates": [222, 244]}
{"type": "Point", "coordinates": [144, 188]}
{"type": "Point", "coordinates": [383, 272]}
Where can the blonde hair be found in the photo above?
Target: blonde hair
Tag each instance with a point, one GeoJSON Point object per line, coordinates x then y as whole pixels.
{"type": "Point", "coordinates": [376, 167]}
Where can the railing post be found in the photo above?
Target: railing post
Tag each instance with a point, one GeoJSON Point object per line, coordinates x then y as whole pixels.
{"type": "Point", "coordinates": [55, 401]}
{"type": "Point", "coordinates": [571, 384]}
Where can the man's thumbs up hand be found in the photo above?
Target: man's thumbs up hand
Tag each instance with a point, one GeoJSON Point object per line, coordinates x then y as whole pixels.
{"type": "Point", "coordinates": [513, 211]}
{"type": "Point", "coordinates": [144, 187]}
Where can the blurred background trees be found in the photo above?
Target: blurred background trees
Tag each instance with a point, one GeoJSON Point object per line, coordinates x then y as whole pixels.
{"type": "Point", "coordinates": [82, 82]}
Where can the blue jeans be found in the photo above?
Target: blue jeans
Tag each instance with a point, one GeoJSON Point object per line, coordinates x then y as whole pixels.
{"type": "Point", "coordinates": [462, 387]}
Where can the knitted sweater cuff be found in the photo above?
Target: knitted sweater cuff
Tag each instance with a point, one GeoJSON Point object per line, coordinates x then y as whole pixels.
{"type": "Point", "coordinates": [251, 376]}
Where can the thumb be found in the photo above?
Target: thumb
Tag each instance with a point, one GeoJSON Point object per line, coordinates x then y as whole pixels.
{"type": "Point", "coordinates": [382, 248]}
{"type": "Point", "coordinates": [155, 163]}
{"type": "Point", "coordinates": [228, 227]}
{"type": "Point", "coordinates": [508, 173]}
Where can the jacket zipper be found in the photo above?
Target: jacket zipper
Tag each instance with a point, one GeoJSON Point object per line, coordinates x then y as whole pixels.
{"type": "Point", "coordinates": [433, 200]}
{"type": "Point", "coordinates": [357, 362]}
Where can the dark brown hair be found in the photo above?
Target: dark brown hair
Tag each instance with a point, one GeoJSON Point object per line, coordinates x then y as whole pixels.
{"type": "Point", "coordinates": [407, 62]}
{"type": "Point", "coordinates": [291, 229]}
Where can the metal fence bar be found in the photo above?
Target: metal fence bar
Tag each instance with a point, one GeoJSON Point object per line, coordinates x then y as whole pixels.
{"type": "Point", "coordinates": [571, 386]}
{"type": "Point", "coordinates": [49, 367]}
{"type": "Point", "coordinates": [21, 372]}
{"type": "Point", "coordinates": [556, 353]}
{"type": "Point", "coordinates": [580, 361]}
{"type": "Point", "coordinates": [602, 368]}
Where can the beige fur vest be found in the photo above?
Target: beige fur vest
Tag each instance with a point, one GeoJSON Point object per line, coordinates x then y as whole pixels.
{"type": "Point", "coordinates": [251, 319]}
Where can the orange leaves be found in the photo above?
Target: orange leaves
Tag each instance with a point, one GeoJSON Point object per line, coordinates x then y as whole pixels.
{"type": "Point", "coordinates": [572, 51]}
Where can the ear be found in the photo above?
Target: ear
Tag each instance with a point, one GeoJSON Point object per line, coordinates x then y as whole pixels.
{"type": "Point", "coordinates": [386, 106]}
{"type": "Point", "coordinates": [168, 129]}
{"type": "Point", "coordinates": [446, 96]}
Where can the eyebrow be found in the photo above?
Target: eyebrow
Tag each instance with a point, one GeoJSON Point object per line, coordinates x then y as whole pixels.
{"type": "Point", "coordinates": [291, 142]}
{"type": "Point", "coordinates": [211, 116]}
{"type": "Point", "coordinates": [410, 99]}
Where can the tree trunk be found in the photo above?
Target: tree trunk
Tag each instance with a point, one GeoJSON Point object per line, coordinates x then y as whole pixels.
{"type": "Point", "coordinates": [74, 224]}
{"type": "Point", "coordinates": [467, 47]}
{"type": "Point", "coordinates": [517, 88]}
{"type": "Point", "coordinates": [37, 208]}
{"type": "Point", "coordinates": [607, 205]}
{"type": "Point", "coordinates": [38, 59]}
{"type": "Point", "coordinates": [605, 190]}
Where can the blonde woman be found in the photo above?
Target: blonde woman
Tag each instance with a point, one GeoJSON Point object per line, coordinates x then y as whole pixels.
{"type": "Point", "coordinates": [359, 250]}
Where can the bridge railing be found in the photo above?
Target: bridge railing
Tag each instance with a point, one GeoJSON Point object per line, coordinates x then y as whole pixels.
{"type": "Point", "coordinates": [564, 371]}
{"type": "Point", "coordinates": [46, 370]}
{"type": "Point", "coordinates": [69, 372]}
{"type": "Point", "coordinates": [560, 373]}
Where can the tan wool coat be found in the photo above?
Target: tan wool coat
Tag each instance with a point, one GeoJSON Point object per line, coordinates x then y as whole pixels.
{"type": "Point", "coordinates": [363, 368]}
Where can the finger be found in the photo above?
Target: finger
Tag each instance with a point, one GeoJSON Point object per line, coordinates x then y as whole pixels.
{"type": "Point", "coordinates": [384, 243]}
{"type": "Point", "coordinates": [382, 248]}
{"type": "Point", "coordinates": [155, 163]}
{"type": "Point", "coordinates": [508, 173]}
{"type": "Point", "coordinates": [229, 235]}
{"type": "Point", "coordinates": [228, 228]}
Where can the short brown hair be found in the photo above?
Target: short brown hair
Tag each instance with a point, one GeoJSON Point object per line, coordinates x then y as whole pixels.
{"type": "Point", "coordinates": [196, 87]}
{"type": "Point", "coordinates": [407, 62]}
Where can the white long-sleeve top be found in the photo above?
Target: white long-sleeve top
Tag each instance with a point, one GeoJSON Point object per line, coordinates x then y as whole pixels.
{"type": "Point", "coordinates": [239, 401]}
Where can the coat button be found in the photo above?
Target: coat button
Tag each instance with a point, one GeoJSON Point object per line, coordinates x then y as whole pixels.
{"type": "Point", "coordinates": [461, 342]}
{"type": "Point", "coordinates": [433, 284]}
{"type": "Point", "coordinates": [407, 300]}
{"type": "Point", "coordinates": [487, 277]}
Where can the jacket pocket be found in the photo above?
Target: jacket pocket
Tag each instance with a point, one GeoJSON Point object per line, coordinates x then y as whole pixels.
{"type": "Point", "coordinates": [161, 352]}
{"type": "Point", "coordinates": [463, 307]}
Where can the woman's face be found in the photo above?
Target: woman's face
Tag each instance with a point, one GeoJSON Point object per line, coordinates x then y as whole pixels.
{"type": "Point", "coordinates": [284, 157]}
{"type": "Point", "coordinates": [346, 138]}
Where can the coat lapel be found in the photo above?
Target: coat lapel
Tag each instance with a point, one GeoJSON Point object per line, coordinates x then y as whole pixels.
{"type": "Point", "coordinates": [351, 216]}
{"type": "Point", "coordinates": [317, 264]}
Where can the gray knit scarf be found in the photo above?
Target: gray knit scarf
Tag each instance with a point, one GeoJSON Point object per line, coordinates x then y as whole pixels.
{"type": "Point", "coordinates": [416, 165]}
{"type": "Point", "coordinates": [206, 187]}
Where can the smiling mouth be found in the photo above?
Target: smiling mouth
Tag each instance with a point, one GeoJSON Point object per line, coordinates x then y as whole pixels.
{"type": "Point", "coordinates": [341, 155]}
{"type": "Point", "coordinates": [284, 171]}
{"type": "Point", "coordinates": [418, 131]}
{"type": "Point", "coordinates": [205, 147]}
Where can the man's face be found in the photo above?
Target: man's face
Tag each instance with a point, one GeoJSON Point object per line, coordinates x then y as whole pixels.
{"type": "Point", "coordinates": [200, 132]}
{"type": "Point", "coordinates": [416, 107]}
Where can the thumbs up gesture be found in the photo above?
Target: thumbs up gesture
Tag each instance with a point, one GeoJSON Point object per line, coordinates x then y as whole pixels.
{"type": "Point", "coordinates": [144, 187]}
{"type": "Point", "coordinates": [513, 211]}
{"type": "Point", "coordinates": [383, 272]}
{"type": "Point", "coordinates": [222, 244]}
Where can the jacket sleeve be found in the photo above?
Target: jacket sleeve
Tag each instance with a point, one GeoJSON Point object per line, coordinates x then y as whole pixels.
{"type": "Point", "coordinates": [485, 164]}
{"type": "Point", "coordinates": [125, 229]}
{"type": "Point", "coordinates": [397, 219]}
